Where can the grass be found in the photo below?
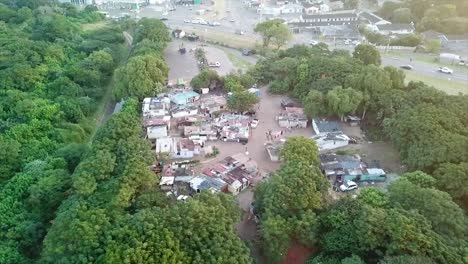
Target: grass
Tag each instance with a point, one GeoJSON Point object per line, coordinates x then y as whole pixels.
{"type": "Point", "coordinates": [449, 86]}
{"type": "Point", "coordinates": [95, 26]}
{"type": "Point", "coordinates": [236, 61]}
{"type": "Point", "coordinates": [224, 39]}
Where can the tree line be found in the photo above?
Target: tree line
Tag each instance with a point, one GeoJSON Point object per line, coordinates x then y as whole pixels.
{"type": "Point", "coordinates": [413, 222]}
{"type": "Point", "coordinates": [53, 75]}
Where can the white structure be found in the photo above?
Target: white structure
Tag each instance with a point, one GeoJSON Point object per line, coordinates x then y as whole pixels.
{"type": "Point", "coordinates": [153, 106]}
{"type": "Point", "coordinates": [290, 8]}
{"type": "Point", "coordinates": [395, 29]}
{"type": "Point", "coordinates": [185, 111]}
{"type": "Point", "coordinates": [373, 19]}
{"type": "Point", "coordinates": [164, 145]}
{"type": "Point", "coordinates": [332, 140]}
{"type": "Point", "coordinates": [159, 131]}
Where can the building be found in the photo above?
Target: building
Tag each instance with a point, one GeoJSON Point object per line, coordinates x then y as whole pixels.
{"type": "Point", "coordinates": [238, 180]}
{"type": "Point", "coordinates": [289, 8]}
{"type": "Point", "coordinates": [185, 148]}
{"type": "Point", "coordinates": [336, 5]}
{"type": "Point", "coordinates": [183, 98]}
{"type": "Point", "coordinates": [205, 183]}
{"type": "Point", "coordinates": [174, 173]}
{"type": "Point", "coordinates": [395, 29]}
{"type": "Point", "coordinates": [184, 111]}
{"type": "Point", "coordinates": [157, 131]}
{"type": "Point", "coordinates": [373, 19]}
{"type": "Point", "coordinates": [164, 145]}
{"type": "Point", "coordinates": [333, 140]}
{"type": "Point", "coordinates": [154, 106]}
{"type": "Point", "coordinates": [342, 168]}
{"type": "Point", "coordinates": [324, 126]}
{"type": "Point", "coordinates": [353, 120]}
{"type": "Point", "coordinates": [292, 117]}
{"type": "Point", "coordinates": [331, 18]}
{"type": "Point", "coordinates": [315, 8]}
{"type": "Point", "coordinates": [273, 150]}
{"type": "Point", "coordinates": [213, 104]}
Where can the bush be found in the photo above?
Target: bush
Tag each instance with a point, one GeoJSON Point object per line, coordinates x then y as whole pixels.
{"type": "Point", "coordinates": [412, 40]}
{"type": "Point", "coordinates": [279, 87]}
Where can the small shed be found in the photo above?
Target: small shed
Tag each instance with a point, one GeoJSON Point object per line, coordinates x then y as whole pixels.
{"type": "Point", "coordinates": [353, 120]}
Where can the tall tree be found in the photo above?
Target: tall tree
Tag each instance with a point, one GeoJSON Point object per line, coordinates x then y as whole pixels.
{"type": "Point", "coordinates": [368, 54]}
{"type": "Point", "coordinates": [142, 76]}
{"type": "Point", "coordinates": [273, 30]}
{"type": "Point", "coordinates": [343, 101]}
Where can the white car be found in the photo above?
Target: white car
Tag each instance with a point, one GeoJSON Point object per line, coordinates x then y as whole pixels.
{"type": "Point", "coordinates": [254, 123]}
{"type": "Point", "coordinates": [347, 42]}
{"type": "Point", "coordinates": [195, 21]}
{"type": "Point", "coordinates": [445, 70]}
{"type": "Point", "coordinates": [348, 186]}
{"type": "Point", "coordinates": [214, 64]}
{"type": "Point", "coordinates": [203, 23]}
{"type": "Point", "coordinates": [313, 42]}
{"type": "Point", "coordinates": [187, 21]}
{"type": "Point", "coordinates": [182, 198]}
{"type": "Point", "coordinates": [215, 23]}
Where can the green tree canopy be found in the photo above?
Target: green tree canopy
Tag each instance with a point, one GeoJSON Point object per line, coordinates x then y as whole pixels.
{"type": "Point", "coordinates": [368, 54]}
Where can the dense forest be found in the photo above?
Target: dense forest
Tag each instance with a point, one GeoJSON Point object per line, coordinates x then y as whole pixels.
{"type": "Point", "coordinates": [421, 218]}
{"type": "Point", "coordinates": [73, 191]}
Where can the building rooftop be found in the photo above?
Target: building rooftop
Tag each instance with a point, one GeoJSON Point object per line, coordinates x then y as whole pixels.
{"type": "Point", "coordinates": [325, 126]}
{"type": "Point", "coordinates": [371, 17]}
{"type": "Point", "coordinates": [183, 97]}
{"type": "Point", "coordinates": [391, 27]}
{"type": "Point", "coordinates": [332, 15]}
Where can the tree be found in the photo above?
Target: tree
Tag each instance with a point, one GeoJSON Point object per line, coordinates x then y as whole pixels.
{"type": "Point", "coordinates": [242, 101]}
{"type": "Point", "coordinates": [314, 104]}
{"type": "Point", "coordinates": [433, 46]}
{"type": "Point", "coordinates": [397, 77]}
{"type": "Point", "coordinates": [343, 101]}
{"type": "Point", "coordinates": [453, 179]}
{"type": "Point", "coordinates": [407, 259]}
{"type": "Point", "coordinates": [273, 30]}
{"type": "Point", "coordinates": [204, 79]}
{"type": "Point", "coordinates": [281, 35]}
{"type": "Point", "coordinates": [401, 15]}
{"type": "Point", "coordinates": [351, 4]}
{"type": "Point", "coordinates": [142, 76]}
{"type": "Point", "coordinates": [368, 54]}
{"type": "Point", "coordinates": [386, 11]}
{"type": "Point", "coordinates": [152, 29]}
{"type": "Point", "coordinates": [445, 216]}
{"type": "Point", "coordinates": [300, 149]}
{"type": "Point", "coordinates": [420, 179]}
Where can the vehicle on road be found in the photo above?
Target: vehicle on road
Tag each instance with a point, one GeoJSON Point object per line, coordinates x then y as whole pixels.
{"type": "Point", "coordinates": [163, 18]}
{"type": "Point", "coordinates": [254, 123]}
{"type": "Point", "coordinates": [195, 21]}
{"type": "Point", "coordinates": [240, 32]}
{"type": "Point", "coordinates": [406, 67]}
{"type": "Point", "coordinates": [247, 52]}
{"type": "Point", "coordinates": [187, 21]}
{"type": "Point", "coordinates": [203, 22]}
{"type": "Point", "coordinates": [215, 23]}
{"type": "Point", "coordinates": [347, 42]}
{"type": "Point", "coordinates": [232, 20]}
{"type": "Point", "coordinates": [348, 186]}
{"type": "Point", "coordinates": [445, 70]}
{"type": "Point", "coordinates": [313, 42]}
{"type": "Point", "coordinates": [215, 64]}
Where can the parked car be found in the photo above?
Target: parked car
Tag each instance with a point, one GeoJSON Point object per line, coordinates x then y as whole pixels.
{"type": "Point", "coordinates": [163, 18]}
{"type": "Point", "coordinates": [195, 21]}
{"type": "Point", "coordinates": [313, 42]}
{"type": "Point", "coordinates": [215, 23]}
{"type": "Point", "coordinates": [406, 67]}
{"type": "Point", "coordinates": [240, 32]}
{"type": "Point", "coordinates": [215, 64]}
{"type": "Point", "coordinates": [202, 22]}
{"type": "Point", "coordinates": [254, 123]}
{"type": "Point", "coordinates": [232, 20]}
{"type": "Point", "coordinates": [347, 42]}
{"type": "Point", "coordinates": [247, 52]}
{"type": "Point", "coordinates": [348, 186]}
{"type": "Point", "coordinates": [187, 21]}
{"type": "Point", "coordinates": [445, 70]}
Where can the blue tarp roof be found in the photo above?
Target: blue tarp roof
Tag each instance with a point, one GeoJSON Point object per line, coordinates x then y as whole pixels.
{"type": "Point", "coordinates": [182, 98]}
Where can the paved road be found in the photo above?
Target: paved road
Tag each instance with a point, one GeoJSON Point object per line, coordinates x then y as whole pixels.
{"type": "Point", "coordinates": [425, 69]}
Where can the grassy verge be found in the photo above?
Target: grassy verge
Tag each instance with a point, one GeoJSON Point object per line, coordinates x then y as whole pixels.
{"type": "Point", "coordinates": [224, 39]}
{"type": "Point", "coordinates": [95, 26]}
{"type": "Point", "coordinates": [448, 86]}
{"type": "Point", "coordinates": [236, 61]}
